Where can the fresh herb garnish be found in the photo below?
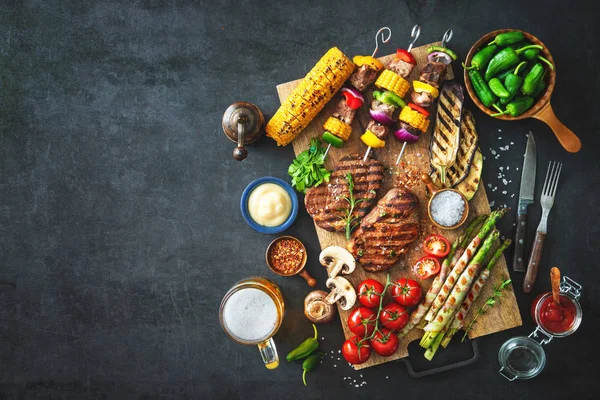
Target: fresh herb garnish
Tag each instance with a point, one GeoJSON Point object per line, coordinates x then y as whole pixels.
{"type": "Point", "coordinates": [382, 214]}
{"type": "Point", "coordinates": [488, 303]}
{"type": "Point", "coordinates": [360, 252]}
{"type": "Point", "coordinates": [308, 170]}
{"type": "Point", "coordinates": [351, 220]}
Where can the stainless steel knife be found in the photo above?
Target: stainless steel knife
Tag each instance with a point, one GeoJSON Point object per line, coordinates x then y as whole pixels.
{"type": "Point", "coordinates": [525, 199]}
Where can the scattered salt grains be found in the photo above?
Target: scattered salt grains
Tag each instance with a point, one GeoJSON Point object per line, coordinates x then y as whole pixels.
{"type": "Point", "coordinates": [512, 195]}
{"type": "Point", "coordinates": [499, 137]}
{"type": "Point", "coordinates": [492, 203]}
{"type": "Point", "coordinates": [505, 181]}
{"type": "Point", "coordinates": [501, 168]}
{"type": "Point", "coordinates": [493, 152]}
{"type": "Point", "coordinates": [489, 185]}
{"type": "Point", "coordinates": [504, 192]}
{"type": "Point", "coordinates": [387, 377]}
{"type": "Point", "coordinates": [497, 157]}
{"type": "Point", "coordinates": [484, 158]}
{"type": "Point", "coordinates": [507, 167]}
{"type": "Point", "coordinates": [512, 142]}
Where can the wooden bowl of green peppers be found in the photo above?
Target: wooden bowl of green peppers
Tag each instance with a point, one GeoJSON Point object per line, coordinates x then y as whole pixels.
{"type": "Point", "coordinates": [510, 75]}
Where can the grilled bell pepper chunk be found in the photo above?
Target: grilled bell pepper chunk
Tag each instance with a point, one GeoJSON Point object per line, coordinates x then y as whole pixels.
{"type": "Point", "coordinates": [532, 79]}
{"type": "Point", "coordinates": [419, 87]}
{"type": "Point", "coordinates": [390, 98]}
{"type": "Point", "coordinates": [498, 88]}
{"type": "Point", "coordinates": [482, 90]}
{"type": "Point", "coordinates": [333, 140]}
{"type": "Point", "coordinates": [371, 140]}
{"type": "Point", "coordinates": [405, 55]}
{"type": "Point", "coordinates": [368, 60]}
{"type": "Point", "coordinates": [506, 38]}
{"type": "Point", "coordinates": [446, 50]}
{"type": "Point", "coordinates": [517, 107]}
{"type": "Point", "coordinates": [482, 57]}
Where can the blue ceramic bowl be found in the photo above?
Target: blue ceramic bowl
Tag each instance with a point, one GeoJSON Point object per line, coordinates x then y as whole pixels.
{"type": "Point", "coordinates": [266, 229]}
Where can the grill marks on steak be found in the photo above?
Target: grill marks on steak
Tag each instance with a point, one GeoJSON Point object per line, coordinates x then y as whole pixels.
{"type": "Point", "coordinates": [326, 204]}
{"type": "Point", "coordinates": [387, 231]}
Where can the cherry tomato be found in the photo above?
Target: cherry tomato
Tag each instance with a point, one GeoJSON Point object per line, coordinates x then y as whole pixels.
{"type": "Point", "coordinates": [419, 109]}
{"type": "Point", "coordinates": [369, 292]}
{"type": "Point", "coordinates": [426, 266]}
{"type": "Point", "coordinates": [356, 351]}
{"type": "Point", "coordinates": [361, 321]}
{"type": "Point", "coordinates": [406, 292]}
{"type": "Point", "coordinates": [385, 342]}
{"type": "Point", "coordinates": [393, 316]}
{"type": "Point", "coordinates": [436, 245]}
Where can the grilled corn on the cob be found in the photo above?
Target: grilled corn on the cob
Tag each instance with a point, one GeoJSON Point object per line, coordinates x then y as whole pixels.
{"type": "Point", "coordinates": [310, 96]}
{"type": "Point", "coordinates": [393, 82]}
{"type": "Point", "coordinates": [338, 128]}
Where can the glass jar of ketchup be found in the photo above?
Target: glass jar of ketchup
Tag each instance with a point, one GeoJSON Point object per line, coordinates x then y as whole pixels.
{"type": "Point", "coordinates": [522, 357]}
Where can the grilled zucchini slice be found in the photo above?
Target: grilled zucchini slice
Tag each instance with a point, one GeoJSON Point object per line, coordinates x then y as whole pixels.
{"type": "Point", "coordinates": [469, 185]}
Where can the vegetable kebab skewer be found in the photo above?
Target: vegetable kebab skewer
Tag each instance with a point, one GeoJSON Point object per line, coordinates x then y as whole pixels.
{"type": "Point", "coordinates": [395, 86]}
{"type": "Point", "coordinates": [338, 127]}
{"type": "Point", "coordinates": [425, 91]}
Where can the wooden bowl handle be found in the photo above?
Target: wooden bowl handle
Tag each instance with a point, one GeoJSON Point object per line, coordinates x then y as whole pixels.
{"type": "Point", "coordinates": [312, 282]}
{"type": "Point", "coordinates": [429, 183]}
{"type": "Point", "coordinates": [565, 136]}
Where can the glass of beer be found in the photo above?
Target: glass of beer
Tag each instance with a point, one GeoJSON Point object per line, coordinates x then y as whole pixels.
{"type": "Point", "coordinates": [251, 313]}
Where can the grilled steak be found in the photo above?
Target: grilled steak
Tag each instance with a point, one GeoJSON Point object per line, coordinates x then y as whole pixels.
{"type": "Point", "coordinates": [344, 113]}
{"type": "Point", "coordinates": [381, 131]}
{"type": "Point", "coordinates": [326, 203]}
{"type": "Point", "coordinates": [363, 77]}
{"type": "Point", "coordinates": [388, 109]}
{"type": "Point", "coordinates": [433, 73]}
{"type": "Point", "coordinates": [401, 67]}
{"type": "Point", "coordinates": [387, 231]}
{"type": "Point", "coordinates": [422, 99]}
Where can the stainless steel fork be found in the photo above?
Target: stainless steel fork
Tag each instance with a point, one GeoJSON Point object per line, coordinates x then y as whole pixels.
{"type": "Point", "coordinates": [547, 201]}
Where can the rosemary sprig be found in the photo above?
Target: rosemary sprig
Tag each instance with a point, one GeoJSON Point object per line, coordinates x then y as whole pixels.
{"type": "Point", "coordinates": [349, 219]}
{"type": "Point", "coordinates": [488, 303]}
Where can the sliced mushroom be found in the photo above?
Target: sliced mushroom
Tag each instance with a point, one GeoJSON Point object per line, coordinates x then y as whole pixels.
{"type": "Point", "coordinates": [342, 291]}
{"type": "Point", "coordinates": [337, 260]}
{"type": "Point", "coordinates": [317, 309]}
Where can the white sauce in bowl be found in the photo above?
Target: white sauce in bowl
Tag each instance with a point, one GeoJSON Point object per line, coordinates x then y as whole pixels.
{"type": "Point", "coordinates": [269, 204]}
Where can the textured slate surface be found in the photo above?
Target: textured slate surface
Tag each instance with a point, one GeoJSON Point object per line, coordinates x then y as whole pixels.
{"type": "Point", "coordinates": [120, 227]}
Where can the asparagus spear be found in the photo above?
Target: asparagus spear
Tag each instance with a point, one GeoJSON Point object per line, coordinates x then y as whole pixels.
{"type": "Point", "coordinates": [458, 247]}
{"type": "Point", "coordinates": [459, 318]}
{"type": "Point", "coordinates": [459, 291]}
{"type": "Point", "coordinates": [430, 352]}
{"type": "Point", "coordinates": [462, 263]}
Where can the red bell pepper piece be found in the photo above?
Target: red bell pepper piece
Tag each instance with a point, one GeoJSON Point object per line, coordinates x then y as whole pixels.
{"type": "Point", "coordinates": [353, 102]}
{"type": "Point", "coordinates": [419, 109]}
{"type": "Point", "coordinates": [405, 56]}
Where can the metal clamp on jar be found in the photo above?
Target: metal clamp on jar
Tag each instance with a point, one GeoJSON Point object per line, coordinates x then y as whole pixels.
{"type": "Point", "coordinates": [522, 357]}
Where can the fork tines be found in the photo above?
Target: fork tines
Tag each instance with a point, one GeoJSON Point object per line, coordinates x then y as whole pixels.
{"type": "Point", "coordinates": [552, 176]}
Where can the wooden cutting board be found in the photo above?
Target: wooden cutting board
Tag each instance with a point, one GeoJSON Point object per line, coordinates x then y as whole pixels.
{"type": "Point", "coordinates": [503, 315]}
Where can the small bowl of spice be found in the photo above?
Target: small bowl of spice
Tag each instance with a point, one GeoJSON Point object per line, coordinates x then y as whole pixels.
{"type": "Point", "coordinates": [447, 208]}
{"type": "Point", "coordinates": [286, 256]}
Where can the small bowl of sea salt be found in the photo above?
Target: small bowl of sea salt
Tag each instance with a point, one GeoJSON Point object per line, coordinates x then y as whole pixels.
{"type": "Point", "coordinates": [447, 208]}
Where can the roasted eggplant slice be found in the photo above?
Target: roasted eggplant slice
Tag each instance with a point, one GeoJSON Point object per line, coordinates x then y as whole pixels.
{"type": "Point", "coordinates": [469, 141]}
{"type": "Point", "coordinates": [445, 141]}
{"type": "Point", "coordinates": [469, 186]}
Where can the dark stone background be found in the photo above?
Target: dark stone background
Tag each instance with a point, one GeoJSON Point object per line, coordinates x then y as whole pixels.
{"type": "Point", "coordinates": [120, 227]}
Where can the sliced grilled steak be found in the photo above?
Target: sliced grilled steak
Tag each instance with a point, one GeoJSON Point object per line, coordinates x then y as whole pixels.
{"type": "Point", "coordinates": [387, 231]}
{"type": "Point", "coordinates": [422, 99]}
{"type": "Point", "coordinates": [401, 67]}
{"type": "Point", "coordinates": [433, 73]}
{"type": "Point", "coordinates": [326, 203]}
{"type": "Point", "coordinates": [344, 113]}
{"type": "Point", "coordinates": [388, 109]}
{"type": "Point", "coordinates": [363, 77]}
{"type": "Point", "coordinates": [381, 131]}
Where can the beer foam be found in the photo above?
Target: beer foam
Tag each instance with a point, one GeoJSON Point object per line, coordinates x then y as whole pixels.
{"type": "Point", "coordinates": [250, 315]}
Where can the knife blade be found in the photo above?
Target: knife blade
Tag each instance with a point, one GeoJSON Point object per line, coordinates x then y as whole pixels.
{"type": "Point", "coordinates": [526, 190]}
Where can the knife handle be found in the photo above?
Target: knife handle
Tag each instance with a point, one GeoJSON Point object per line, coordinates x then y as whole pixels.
{"type": "Point", "coordinates": [518, 262]}
{"type": "Point", "coordinates": [534, 262]}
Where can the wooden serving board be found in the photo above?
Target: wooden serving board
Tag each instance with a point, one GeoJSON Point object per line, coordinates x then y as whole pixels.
{"type": "Point", "coordinates": [503, 315]}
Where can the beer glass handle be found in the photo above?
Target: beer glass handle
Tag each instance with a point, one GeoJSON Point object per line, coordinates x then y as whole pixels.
{"type": "Point", "coordinates": [268, 351]}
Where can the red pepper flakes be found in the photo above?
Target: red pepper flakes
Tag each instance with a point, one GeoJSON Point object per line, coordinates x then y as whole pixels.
{"type": "Point", "coordinates": [286, 256]}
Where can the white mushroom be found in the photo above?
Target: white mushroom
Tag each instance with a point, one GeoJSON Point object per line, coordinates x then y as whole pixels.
{"type": "Point", "coordinates": [316, 309]}
{"type": "Point", "coordinates": [342, 291]}
{"type": "Point", "coordinates": [337, 260]}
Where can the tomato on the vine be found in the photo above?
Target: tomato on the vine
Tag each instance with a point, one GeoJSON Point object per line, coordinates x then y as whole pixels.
{"type": "Point", "coordinates": [385, 342]}
{"type": "Point", "coordinates": [361, 321]}
{"type": "Point", "coordinates": [426, 266]}
{"type": "Point", "coordinates": [356, 351]}
{"type": "Point", "coordinates": [370, 292]}
{"type": "Point", "coordinates": [393, 316]}
{"type": "Point", "coordinates": [436, 245]}
{"type": "Point", "coordinates": [406, 292]}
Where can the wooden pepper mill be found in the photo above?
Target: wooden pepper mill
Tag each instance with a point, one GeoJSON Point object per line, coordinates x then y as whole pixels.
{"type": "Point", "coordinates": [243, 123]}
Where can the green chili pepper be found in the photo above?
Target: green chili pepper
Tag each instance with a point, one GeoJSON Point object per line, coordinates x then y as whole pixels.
{"type": "Point", "coordinates": [446, 50]}
{"type": "Point", "coordinates": [498, 88]}
{"type": "Point", "coordinates": [512, 83]}
{"type": "Point", "coordinates": [305, 348]}
{"type": "Point", "coordinates": [506, 38]}
{"type": "Point", "coordinates": [389, 98]}
{"type": "Point", "coordinates": [518, 45]}
{"type": "Point", "coordinates": [532, 79]}
{"type": "Point", "coordinates": [517, 107]}
{"type": "Point", "coordinates": [539, 88]}
{"type": "Point", "coordinates": [531, 54]}
{"type": "Point", "coordinates": [482, 57]}
{"type": "Point", "coordinates": [502, 76]}
{"type": "Point", "coordinates": [505, 59]}
{"type": "Point", "coordinates": [310, 363]}
{"type": "Point", "coordinates": [333, 140]}
{"type": "Point", "coordinates": [482, 90]}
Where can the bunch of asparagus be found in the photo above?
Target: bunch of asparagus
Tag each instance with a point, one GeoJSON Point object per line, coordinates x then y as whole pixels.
{"type": "Point", "coordinates": [458, 285]}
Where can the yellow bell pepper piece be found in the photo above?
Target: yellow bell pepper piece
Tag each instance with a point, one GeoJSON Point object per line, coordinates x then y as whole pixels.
{"type": "Point", "coordinates": [425, 87]}
{"type": "Point", "coordinates": [371, 140]}
{"type": "Point", "coordinates": [368, 60]}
